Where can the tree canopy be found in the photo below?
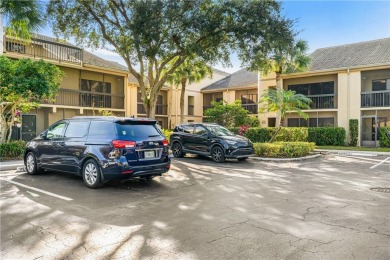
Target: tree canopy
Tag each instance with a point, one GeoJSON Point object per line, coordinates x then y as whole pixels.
{"type": "Point", "coordinates": [191, 70]}
{"type": "Point", "coordinates": [228, 115]}
{"type": "Point", "coordinates": [22, 18]}
{"type": "Point", "coordinates": [23, 84]}
{"type": "Point", "coordinates": [150, 34]}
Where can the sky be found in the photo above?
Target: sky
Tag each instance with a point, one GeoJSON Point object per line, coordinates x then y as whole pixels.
{"type": "Point", "coordinates": [320, 23]}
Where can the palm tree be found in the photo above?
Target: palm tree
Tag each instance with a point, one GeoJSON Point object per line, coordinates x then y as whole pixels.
{"type": "Point", "coordinates": [286, 58]}
{"type": "Point", "coordinates": [23, 17]}
{"type": "Point", "coordinates": [192, 70]}
{"type": "Point", "coordinates": [281, 101]}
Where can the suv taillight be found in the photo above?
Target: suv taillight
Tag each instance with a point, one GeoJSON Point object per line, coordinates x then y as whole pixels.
{"type": "Point", "coordinates": [165, 142]}
{"type": "Point", "coordinates": [123, 144]}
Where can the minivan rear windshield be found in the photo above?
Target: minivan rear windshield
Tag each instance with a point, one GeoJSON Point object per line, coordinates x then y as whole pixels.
{"type": "Point", "coordinates": [137, 131]}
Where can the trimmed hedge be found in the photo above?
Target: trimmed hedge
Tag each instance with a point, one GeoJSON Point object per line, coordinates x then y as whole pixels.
{"type": "Point", "coordinates": [283, 149]}
{"type": "Point", "coordinates": [12, 150]}
{"type": "Point", "coordinates": [353, 132]}
{"type": "Point", "coordinates": [286, 134]}
{"type": "Point", "coordinates": [327, 135]}
{"type": "Point", "coordinates": [384, 139]}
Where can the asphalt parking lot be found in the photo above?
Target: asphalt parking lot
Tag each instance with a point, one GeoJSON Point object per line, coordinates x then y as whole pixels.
{"type": "Point", "coordinates": [333, 207]}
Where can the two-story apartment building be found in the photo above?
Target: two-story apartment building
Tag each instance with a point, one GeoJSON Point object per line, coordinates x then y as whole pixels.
{"type": "Point", "coordinates": [90, 83]}
{"type": "Point", "coordinates": [344, 82]}
{"type": "Point", "coordinates": [168, 102]}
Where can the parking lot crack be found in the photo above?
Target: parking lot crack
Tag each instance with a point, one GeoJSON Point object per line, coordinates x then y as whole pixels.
{"type": "Point", "coordinates": [354, 229]}
{"type": "Point", "coordinates": [307, 212]}
{"type": "Point", "coordinates": [235, 224]}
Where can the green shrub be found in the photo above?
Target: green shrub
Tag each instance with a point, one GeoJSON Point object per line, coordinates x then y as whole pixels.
{"type": "Point", "coordinates": [260, 135]}
{"type": "Point", "coordinates": [283, 149]}
{"type": "Point", "coordinates": [327, 135]}
{"type": "Point", "coordinates": [253, 121]}
{"type": "Point", "coordinates": [234, 130]}
{"type": "Point", "coordinates": [12, 150]}
{"type": "Point", "coordinates": [353, 132]}
{"type": "Point", "coordinates": [286, 134]}
{"type": "Point", "coordinates": [384, 139]}
{"type": "Point", "coordinates": [292, 134]}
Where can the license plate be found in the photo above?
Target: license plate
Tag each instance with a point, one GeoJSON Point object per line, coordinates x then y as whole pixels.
{"type": "Point", "coordinates": [149, 154]}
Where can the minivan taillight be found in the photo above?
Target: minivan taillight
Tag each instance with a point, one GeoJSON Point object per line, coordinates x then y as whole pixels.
{"type": "Point", "coordinates": [123, 144]}
{"type": "Point", "coordinates": [165, 142]}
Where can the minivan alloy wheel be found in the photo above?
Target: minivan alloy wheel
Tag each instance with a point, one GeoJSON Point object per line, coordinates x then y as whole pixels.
{"type": "Point", "coordinates": [30, 163]}
{"type": "Point", "coordinates": [90, 173]}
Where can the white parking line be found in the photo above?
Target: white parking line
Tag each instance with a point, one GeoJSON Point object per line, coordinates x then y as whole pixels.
{"type": "Point", "coordinates": [376, 165]}
{"type": "Point", "coordinates": [39, 190]}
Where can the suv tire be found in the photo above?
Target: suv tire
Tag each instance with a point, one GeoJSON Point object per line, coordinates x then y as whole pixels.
{"type": "Point", "coordinates": [177, 150]}
{"type": "Point", "coordinates": [217, 154]}
{"type": "Point", "coordinates": [91, 174]}
{"type": "Point", "coordinates": [31, 164]}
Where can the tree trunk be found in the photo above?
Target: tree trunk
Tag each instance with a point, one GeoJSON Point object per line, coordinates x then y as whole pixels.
{"type": "Point", "coordinates": [277, 131]}
{"type": "Point", "coordinates": [150, 109]}
{"type": "Point", "coordinates": [170, 107]}
{"type": "Point", "coordinates": [11, 122]}
{"type": "Point", "coordinates": [183, 89]}
{"type": "Point", "coordinates": [278, 87]}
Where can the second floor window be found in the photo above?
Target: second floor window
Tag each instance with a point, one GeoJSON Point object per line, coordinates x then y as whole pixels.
{"type": "Point", "coordinates": [381, 84]}
{"type": "Point", "coordinates": [310, 89]}
{"type": "Point", "coordinates": [94, 99]}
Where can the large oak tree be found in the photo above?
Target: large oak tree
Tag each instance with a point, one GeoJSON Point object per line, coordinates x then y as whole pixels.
{"type": "Point", "coordinates": [149, 34]}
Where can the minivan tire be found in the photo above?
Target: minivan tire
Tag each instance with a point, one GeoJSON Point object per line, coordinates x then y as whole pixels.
{"type": "Point", "coordinates": [31, 163]}
{"type": "Point", "coordinates": [217, 154]}
{"type": "Point", "coordinates": [91, 174]}
{"type": "Point", "coordinates": [177, 150]}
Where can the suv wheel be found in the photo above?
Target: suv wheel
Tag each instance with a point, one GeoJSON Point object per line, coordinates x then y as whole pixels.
{"type": "Point", "coordinates": [91, 174]}
{"type": "Point", "coordinates": [177, 150]}
{"type": "Point", "coordinates": [31, 164]}
{"type": "Point", "coordinates": [217, 154]}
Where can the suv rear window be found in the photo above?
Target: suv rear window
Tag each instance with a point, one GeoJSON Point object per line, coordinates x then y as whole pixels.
{"type": "Point", "coordinates": [137, 131]}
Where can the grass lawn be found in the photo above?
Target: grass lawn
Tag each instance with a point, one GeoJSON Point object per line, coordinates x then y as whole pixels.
{"type": "Point", "coordinates": [379, 149]}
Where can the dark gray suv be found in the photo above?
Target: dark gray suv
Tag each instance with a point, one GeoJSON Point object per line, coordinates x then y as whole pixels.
{"type": "Point", "coordinates": [209, 139]}
{"type": "Point", "coordinates": [100, 149]}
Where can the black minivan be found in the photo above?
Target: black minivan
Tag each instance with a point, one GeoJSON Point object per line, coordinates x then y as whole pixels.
{"type": "Point", "coordinates": [100, 149]}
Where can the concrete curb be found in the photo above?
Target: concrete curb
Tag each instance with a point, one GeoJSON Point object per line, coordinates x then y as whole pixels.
{"type": "Point", "coordinates": [352, 152]}
{"type": "Point", "coordinates": [285, 159]}
{"type": "Point", "coordinates": [10, 165]}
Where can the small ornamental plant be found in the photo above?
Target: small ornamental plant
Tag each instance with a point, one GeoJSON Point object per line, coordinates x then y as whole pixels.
{"type": "Point", "coordinates": [243, 130]}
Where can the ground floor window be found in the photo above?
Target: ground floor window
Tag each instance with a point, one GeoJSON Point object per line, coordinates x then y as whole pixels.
{"type": "Point", "coordinates": [311, 122]}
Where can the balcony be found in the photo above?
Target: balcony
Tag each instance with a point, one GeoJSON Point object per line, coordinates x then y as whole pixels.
{"type": "Point", "coordinates": [78, 98]}
{"type": "Point", "coordinates": [160, 109]}
{"type": "Point", "coordinates": [252, 108]}
{"type": "Point", "coordinates": [46, 48]}
{"type": "Point", "coordinates": [375, 99]}
{"type": "Point", "coordinates": [322, 101]}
